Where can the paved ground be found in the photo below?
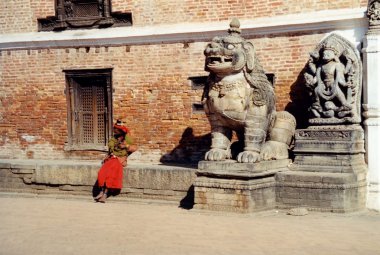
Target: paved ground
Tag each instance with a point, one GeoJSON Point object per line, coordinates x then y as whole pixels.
{"type": "Point", "coordinates": [31, 224]}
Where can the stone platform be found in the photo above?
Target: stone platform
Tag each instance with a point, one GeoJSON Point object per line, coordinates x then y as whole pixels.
{"type": "Point", "coordinates": [237, 187]}
{"type": "Point", "coordinates": [225, 186]}
{"type": "Point", "coordinates": [329, 171]}
{"type": "Point", "coordinates": [325, 192]}
{"type": "Point", "coordinates": [78, 177]}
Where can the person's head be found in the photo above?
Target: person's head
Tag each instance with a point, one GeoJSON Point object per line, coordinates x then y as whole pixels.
{"type": "Point", "coordinates": [119, 129]}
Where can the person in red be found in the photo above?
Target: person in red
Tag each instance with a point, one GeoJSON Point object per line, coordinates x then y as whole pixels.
{"type": "Point", "coordinates": [110, 175]}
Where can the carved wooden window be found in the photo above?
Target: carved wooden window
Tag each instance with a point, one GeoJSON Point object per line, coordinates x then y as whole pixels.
{"type": "Point", "coordinates": [89, 101]}
{"type": "Point", "coordinates": [72, 14]}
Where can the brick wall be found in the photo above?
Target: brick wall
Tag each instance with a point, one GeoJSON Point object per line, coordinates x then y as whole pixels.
{"type": "Point", "coordinates": [152, 93]}
{"type": "Point", "coordinates": [21, 15]}
{"type": "Point", "coordinates": [148, 12]}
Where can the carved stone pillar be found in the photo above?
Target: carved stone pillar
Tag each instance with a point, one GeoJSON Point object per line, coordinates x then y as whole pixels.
{"type": "Point", "coordinates": [61, 24]}
{"type": "Point", "coordinates": [371, 102]}
{"type": "Point", "coordinates": [107, 9]}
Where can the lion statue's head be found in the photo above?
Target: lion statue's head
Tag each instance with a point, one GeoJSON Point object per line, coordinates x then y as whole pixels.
{"type": "Point", "coordinates": [229, 54]}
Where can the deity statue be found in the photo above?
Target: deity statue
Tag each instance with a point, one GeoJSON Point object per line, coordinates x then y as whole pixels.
{"type": "Point", "coordinates": [333, 77]}
{"type": "Point", "coordinates": [374, 13]}
{"type": "Point", "coordinates": [69, 8]}
{"type": "Point", "coordinates": [238, 97]}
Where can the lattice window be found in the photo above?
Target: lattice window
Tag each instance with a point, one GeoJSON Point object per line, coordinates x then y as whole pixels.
{"type": "Point", "coordinates": [88, 131]}
{"type": "Point", "coordinates": [100, 99]}
{"type": "Point", "coordinates": [86, 98]}
{"type": "Point", "coordinates": [89, 101]}
{"type": "Point", "coordinates": [84, 8]}
{"type": "Point", "coordinates": [101, 130]}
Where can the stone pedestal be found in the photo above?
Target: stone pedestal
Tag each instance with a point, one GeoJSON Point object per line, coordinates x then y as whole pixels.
{"type": "Point", "coordinates": [329, 171]}
{"type": "Point", "coordinates": [371, 114]}
{"type": "Point", "coordinates": [237, 187]}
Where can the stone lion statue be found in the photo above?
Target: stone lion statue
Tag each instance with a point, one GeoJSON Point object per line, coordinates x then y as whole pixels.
{"type": "Point", "coordinates": [238, 97]}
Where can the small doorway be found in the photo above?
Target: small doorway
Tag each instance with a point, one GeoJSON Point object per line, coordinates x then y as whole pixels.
{"type": "Point", "coordinates": [89, 101]}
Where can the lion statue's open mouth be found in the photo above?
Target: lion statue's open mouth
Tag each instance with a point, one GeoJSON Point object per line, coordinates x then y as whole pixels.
{"type": "Point", "coordinates": [218, 60]}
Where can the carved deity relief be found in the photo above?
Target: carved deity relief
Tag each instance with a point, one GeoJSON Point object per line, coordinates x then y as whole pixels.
{"type": "Point", "coordinates": [333, 77]}
{"type": "Point", "coordinates": [373, 13]}
{"type": "Point", "coordinates": [68, 8]}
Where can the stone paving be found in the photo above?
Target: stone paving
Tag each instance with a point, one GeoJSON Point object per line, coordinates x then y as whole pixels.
{"type": "Point", "coordinates": [47, 224]}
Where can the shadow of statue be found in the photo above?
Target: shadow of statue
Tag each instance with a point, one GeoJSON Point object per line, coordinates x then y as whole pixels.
{"type": "Point", "coordinates": [190, 150]}
{"type": "Point", "coordinates": [188, 201]}
{"type": "Point", "coordinates": [300, 101]}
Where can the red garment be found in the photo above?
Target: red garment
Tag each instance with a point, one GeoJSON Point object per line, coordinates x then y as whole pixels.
{"type": "Point", "coordinates": [111, 174]}
{"type": "Point", "coordinates": [122, 128]}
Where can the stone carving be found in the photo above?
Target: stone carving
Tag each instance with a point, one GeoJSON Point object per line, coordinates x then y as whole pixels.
{"type": "Point", "coordinates": [238, 97]}
{"type": "Point", "coordinates": [373, 13]}
{"type": "Point", "coordinates": [100, 8]}
{"type": "Point", "coordinates": [329, 170]}
{"type": "Point", "coordinates": [324, 135]}
{"type": "Point", "coordinates": [333, 76]}
{"type": "Point", "coordinates": [69, 8]}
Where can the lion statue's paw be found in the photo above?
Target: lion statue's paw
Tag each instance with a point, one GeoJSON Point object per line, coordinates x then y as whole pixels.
{"type": "Point", "coordinates": [217, 155]}
{"type": "Point", "coordinates": [272, 150]}
{"type": "Point", "coordinates": [248, 157]}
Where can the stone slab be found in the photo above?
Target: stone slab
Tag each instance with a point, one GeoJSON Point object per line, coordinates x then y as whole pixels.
{"type": "Point", "coordinates": [30, 166]}
{"type": "Point", "coordinates": [23, 170]}
{"type": "Point", "coordinates": [232, 169]}
{"type": "Point", "coordinates": [5, 165]}
{"type": "Point", "coordinates": [329, 163]}
{"type": "Point", "coordinates": [320, 191]}
{"type": "Point", "coordinates": [160, 178]}
{"type": "Point", "coordinates": [237, 187]}
{"type": "Point", "coordinates": [66, 174]}
{"type": "Point", "coordinates": [330, 140]}
{"type": "Point", "coordinates": [160, 181]}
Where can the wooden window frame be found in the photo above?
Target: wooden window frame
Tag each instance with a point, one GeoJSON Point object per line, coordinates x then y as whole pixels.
{"type": "Point", "coordinates": [70, 14]}
{"type": "Point", "coordinates": [71, 75]}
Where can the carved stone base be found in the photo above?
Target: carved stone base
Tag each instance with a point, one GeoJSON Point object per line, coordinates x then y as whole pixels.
{"type": "Point", "coordinates": [334, 149]}
{"type": "Point", "coordinates": [237, 187]}
{"type": "Point", "coordinates": [329, 171]}
{"type": "Point", "coordinates": [326, 192]}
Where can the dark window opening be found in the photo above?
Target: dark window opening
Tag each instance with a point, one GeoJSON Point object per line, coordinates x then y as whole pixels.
{"type": "Point", "coordinates": [198, 82]}
{"type": "Point", "coordinates": [89, 105]}
{"type": "Point", "coordinates": [272, 78]}
{"type": "Point", "coordinates": [197, 108]}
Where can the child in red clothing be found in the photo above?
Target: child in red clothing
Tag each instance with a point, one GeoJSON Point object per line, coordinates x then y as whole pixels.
{"type": "Point", "coordinates": [110, 175]}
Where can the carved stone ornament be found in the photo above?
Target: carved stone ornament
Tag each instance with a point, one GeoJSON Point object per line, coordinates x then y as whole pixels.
{"type": "Point", "coordinates": [373, 14]}
{"type": "Point", "coordinates": [238, 97]}
{"type": "Point", "coordinates": [334, 79]}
